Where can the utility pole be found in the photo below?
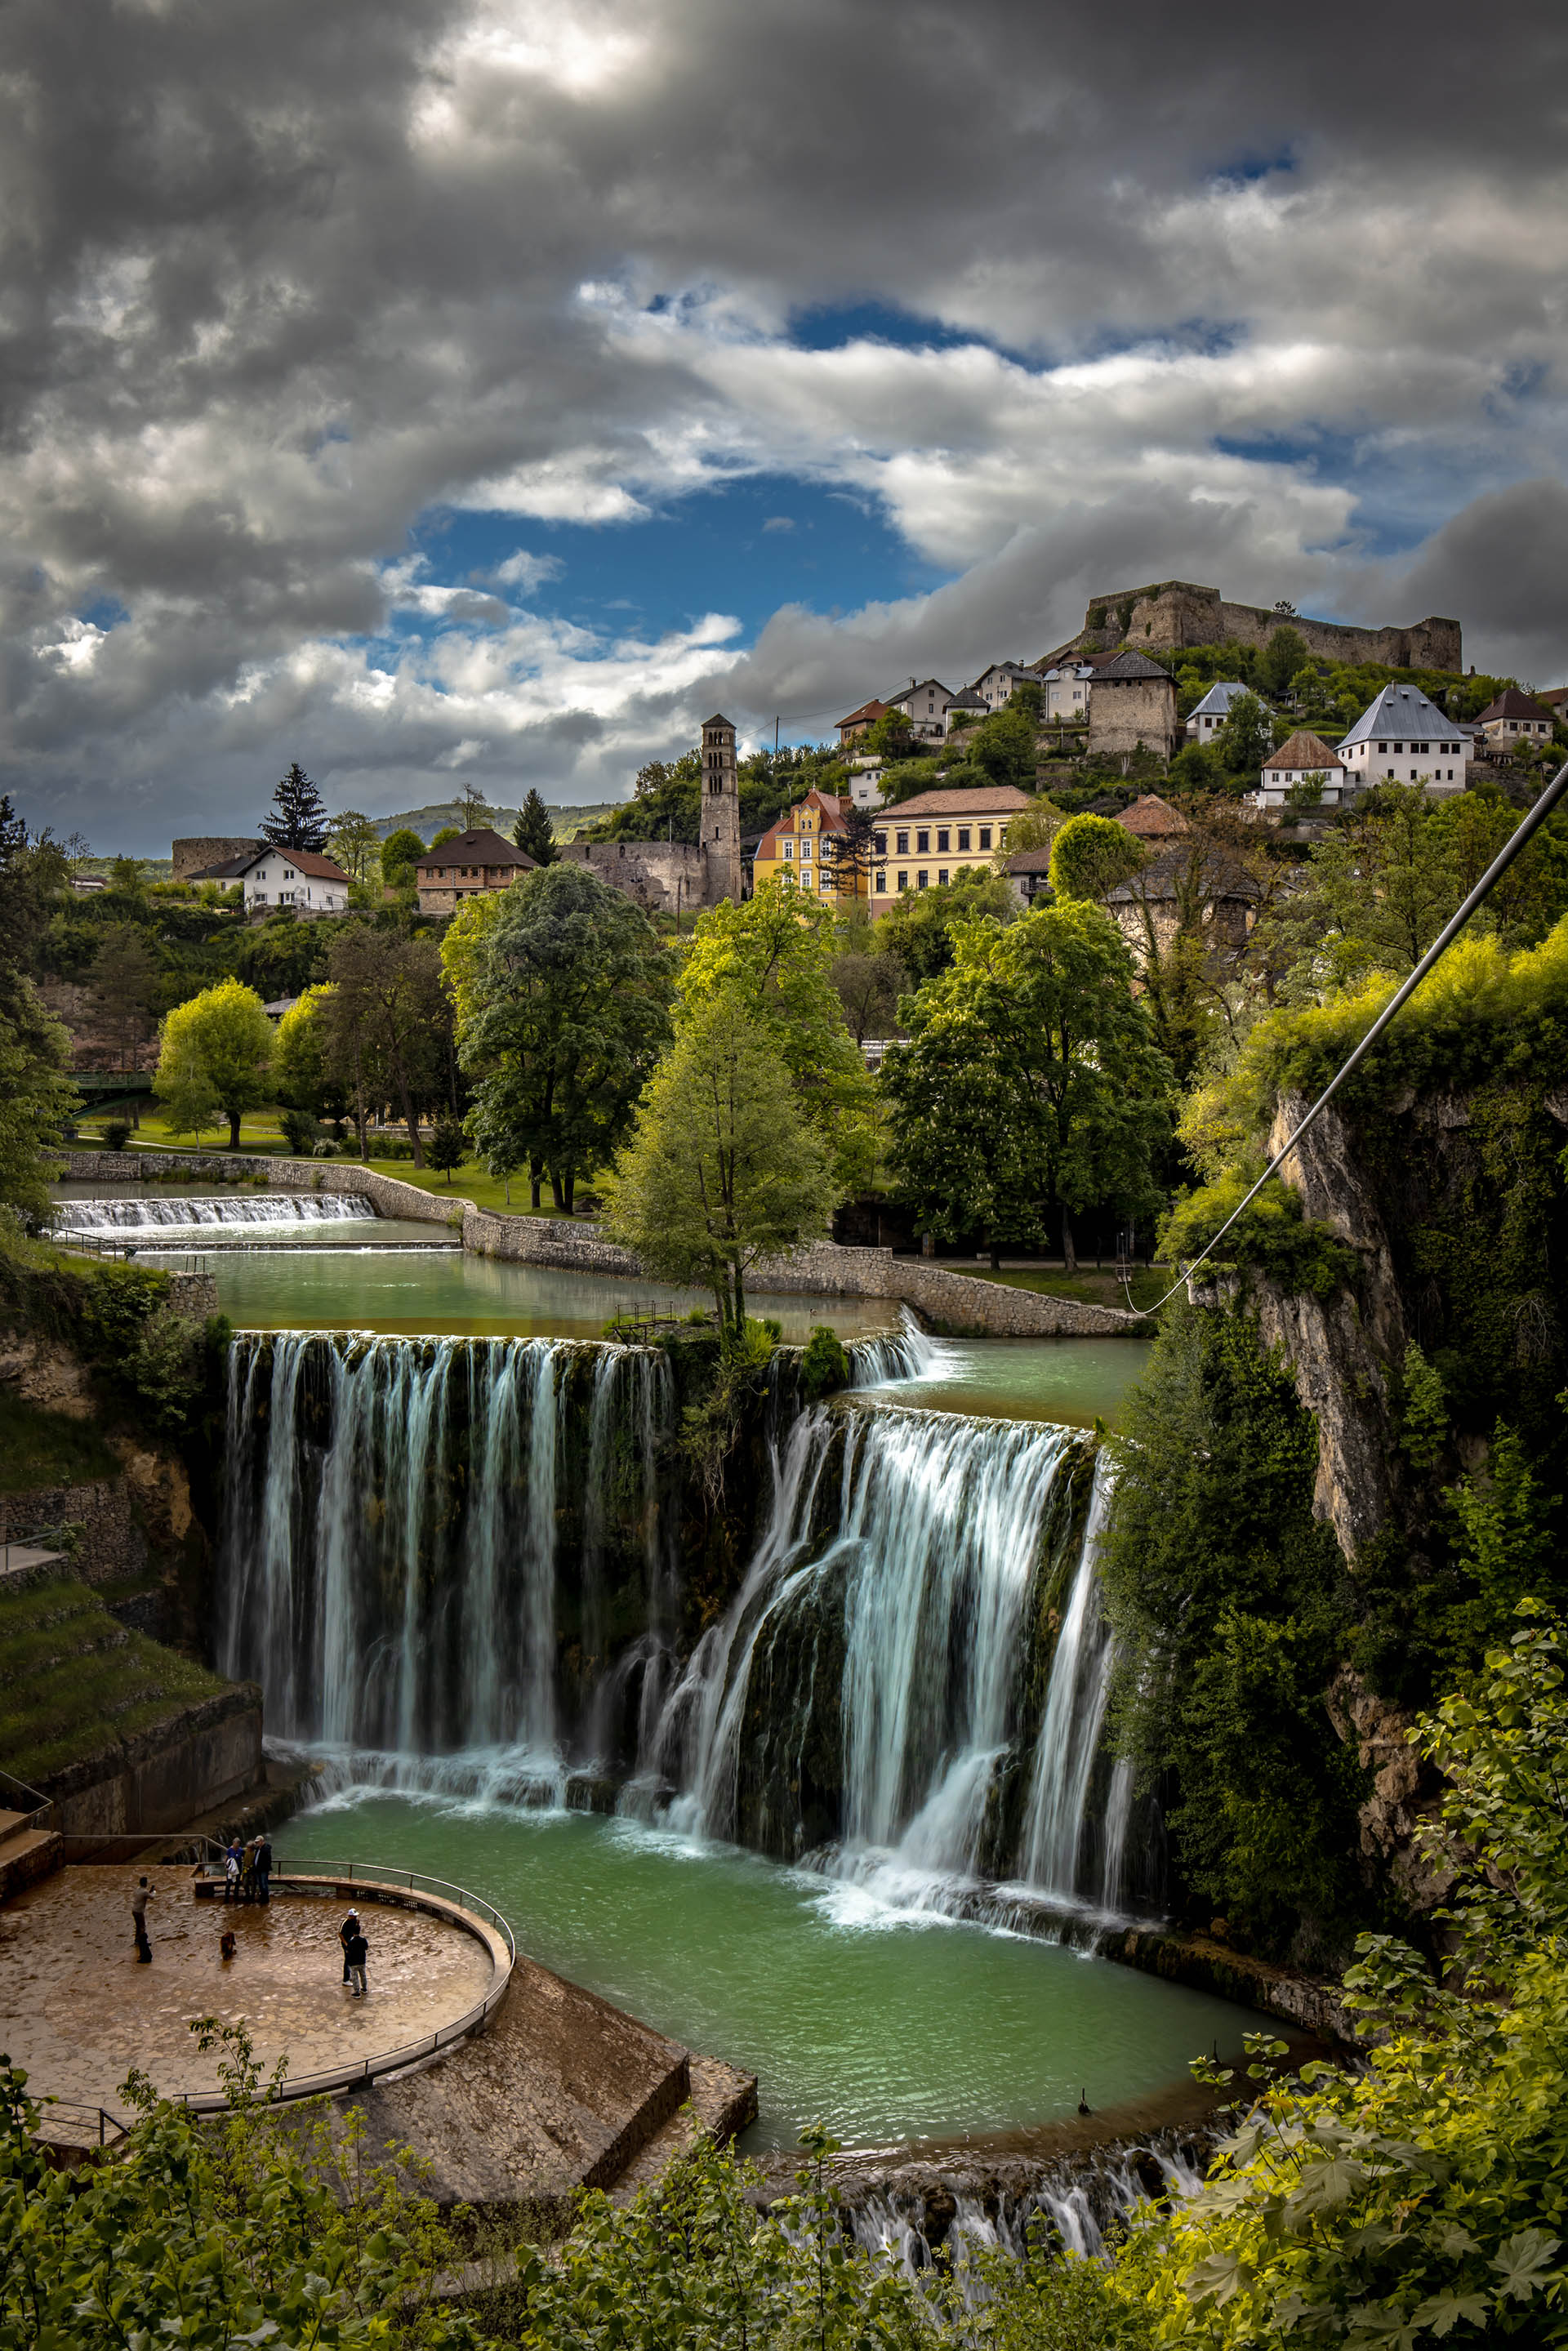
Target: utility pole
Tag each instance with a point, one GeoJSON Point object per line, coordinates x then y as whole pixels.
{"type": "Point", "coordinates": [776, 736]}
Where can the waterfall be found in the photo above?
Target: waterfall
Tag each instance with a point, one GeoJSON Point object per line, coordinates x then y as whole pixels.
{"type": "Point", "coordinates": [395, 1557]}
{"type": "Point", "coordinates": [875, 1689]}
{"type": "Point", "coordinates": [251, 1210]}
{"type": "Point", "coordinates": [907, 1354]}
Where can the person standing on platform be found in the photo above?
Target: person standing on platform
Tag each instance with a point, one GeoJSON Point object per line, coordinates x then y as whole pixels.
{"type": "Point", "coordinates": [346, 1933]}
{"type": "Point", "coordinates": [143, 1895]}
{"type": "Point", "coordinates": [356, 1950]}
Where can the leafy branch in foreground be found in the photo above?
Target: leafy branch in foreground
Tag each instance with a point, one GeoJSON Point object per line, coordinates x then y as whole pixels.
{"type": "Point", "coordinates": [1426, 2198]}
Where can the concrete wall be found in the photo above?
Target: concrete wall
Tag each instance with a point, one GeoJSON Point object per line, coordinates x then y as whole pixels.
{"type": "Point", "coordinates": [954, 1302]}
{"type": "Point", "coordinates": [161, 1778]}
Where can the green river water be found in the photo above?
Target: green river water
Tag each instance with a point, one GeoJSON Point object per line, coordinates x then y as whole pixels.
{"type": "Point", "coordinates": [886, 2023]}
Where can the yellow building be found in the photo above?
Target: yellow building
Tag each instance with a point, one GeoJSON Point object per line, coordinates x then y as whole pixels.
{"type": "Point", "coordinates": [931, 839]}
{"type": "Point", "coordinates": [806, 849]}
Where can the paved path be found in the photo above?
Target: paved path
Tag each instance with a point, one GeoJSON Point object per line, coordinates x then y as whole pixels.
{"type": "Point", "coordinates": [78, 2011]}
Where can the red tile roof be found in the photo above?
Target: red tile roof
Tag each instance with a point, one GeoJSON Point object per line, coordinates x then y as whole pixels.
{"type": "Point", "coordinates": [308, 861]}
{"type": "Point", "coordinates": [1152, 818]}
{"type": "Point", "coordinates": [1512, 704]}
{"type": "Point", "coordinates": [1304, 752]}
{"type": "Point", "coordinates": [996, 800]}
{"type": "Point", "coordinates": [481, 848]}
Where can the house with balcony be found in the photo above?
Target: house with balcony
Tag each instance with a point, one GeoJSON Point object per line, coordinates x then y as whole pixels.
{"type": "Point", "coordinates": [930, 840]}
{"type": "Point", "coordinates": [300, 878]}
{"type": "Point", "coordinates": [447, 877]}
{"type": "Point", "coordinates": [1402, 737]}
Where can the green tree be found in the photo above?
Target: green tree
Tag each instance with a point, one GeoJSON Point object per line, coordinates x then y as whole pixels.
{"type": "Point", "coordinates": [215, 1054]}
{"type": "Point", "coordinates": [1197, 768]}
{"type": "Point", "coordinates": [474, 806]}
{"type": "Point", "coordinates": [1247, 737]}
{"type": "Point", "coordinates": [869, 978]}
{"type": "Point", "coordinates": [282, 955]}
{"type": "Point", "coordinates": [532, 833]}
{"type": "Point", "coordinates": [1284, 655]}
{"type": "Point", "coordinates": [401, 852]}
{"type": "Point", "coordinates": [448, 1145]}
{"type": "Point", "coordinates": [297, 819]}
{"type": "Point", "coordinates": [1034, 1045]}
{"type": "Point", "coordinates": [1091, 854]}
{"type": "Point", "coordinates": [723, 1167]}
{"type": "Point", "coordinates": [1003, 746]}
{"type": "Point", "coordinates": [776, 954]}
{"type": "Point", "coordinates": [891, 738]}
{"type": "Point", "coordinates": [124, 989]}
{"type": "Point", "coordinates": [563, 999]}
{"type": "Point", "coordinates": [300, 1057]}
{"type": "Point", "coordinates": [355, 844]}
{"type": "Point", "coordinates": [918, 927]}
{"type": "Point", "coordinates": [389, 1023]}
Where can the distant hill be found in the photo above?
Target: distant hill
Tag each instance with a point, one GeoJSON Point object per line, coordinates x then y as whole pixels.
{"type": "Point", "coordinates": [566, 823]}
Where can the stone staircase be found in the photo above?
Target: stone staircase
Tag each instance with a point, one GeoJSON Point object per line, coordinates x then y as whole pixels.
{"type": "Point", "coordinates": [27, 1852]}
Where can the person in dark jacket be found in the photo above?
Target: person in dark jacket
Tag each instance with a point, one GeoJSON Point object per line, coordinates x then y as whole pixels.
{"type": "Point", "coordinates": [357, 1950]}
{"type": "Point", "coordinates": [346, 1933]}
{"type": "Point", "coordinates": [143, 1895]}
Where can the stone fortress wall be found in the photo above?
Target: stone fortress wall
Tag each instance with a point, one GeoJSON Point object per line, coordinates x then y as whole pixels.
{"type": "Point", "coordinates": [663, 877]}
{"type": "Point", "coordinates": [198, 851]}
{"type": "Point", "coordinates": [1164, 618]}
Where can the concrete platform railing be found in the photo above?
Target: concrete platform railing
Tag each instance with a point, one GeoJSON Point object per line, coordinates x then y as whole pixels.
{"type": "Point", "coordinates": [408, 1888]}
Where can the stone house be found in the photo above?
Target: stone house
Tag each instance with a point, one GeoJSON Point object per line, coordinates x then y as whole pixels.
{"type": "Point", "coordinates": [1402, 737]}
{"type": "Point", "coordinates": [1302, 758]}
{"type": "Point", "coordinates": [1512, 720]}
{"type": "Point", "coordinates": [300, 878]}
{"type": "Point", "coordinates": [1132, 708]}
{"type": "Point", "coordinates": [1187, 886]}
{"type": "Point", "coordinates": [1029, 870]}
{"type": "Point", "coordinates": [803, 851]}
{"type": "Point", "coordinates": [930, 840]}
{"type": "Point", "coordinates": [1207, 717]}
{"type": "Point", "coordinates": [447, 877]}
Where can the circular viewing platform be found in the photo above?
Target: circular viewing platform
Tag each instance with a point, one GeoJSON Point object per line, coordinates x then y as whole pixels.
{"type": "Point", "coordinates": [79, 2010]}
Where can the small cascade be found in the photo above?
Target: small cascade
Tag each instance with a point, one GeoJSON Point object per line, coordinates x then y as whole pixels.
{"type": "Point", "coordinates": [250, 1211]}
{"type": "Point", "coordinates": [407, 1558]}
{"type": "Point", "coordinates": [909, 1352]}
{"type": "Point", "coordinates": [909, 1688]}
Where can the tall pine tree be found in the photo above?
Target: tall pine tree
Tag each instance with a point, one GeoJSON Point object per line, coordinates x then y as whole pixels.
{"type": "Point", "coordinates": [532, 832]}
{"type": "Point", "coordinates": [298, 817]}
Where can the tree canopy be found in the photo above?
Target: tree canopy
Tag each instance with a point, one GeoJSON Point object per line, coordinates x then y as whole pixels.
{"type": "Point", "coordinates": [1091, 854]}
{"type": "Point", "coordinates": [1031, 1083]}
{"type": "Point", "coordinates": [298, 818]}
{"type": "Point", "coordinates": [776, 953]}
{"type": "Point", "coordinates": [724, 1167]}
{"type": "Point", "coordinates": [532, 833]}
{"type": "Point", "coordinates": [215, 1055]}
{"type": "Point", "coordinates": [563, 997]}
{"type": "Point", "coordinates": [388, 1023]}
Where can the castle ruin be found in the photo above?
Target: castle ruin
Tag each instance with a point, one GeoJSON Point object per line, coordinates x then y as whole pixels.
{"type": "Point", "coordinates": [679, 877]}
{"type": "Point", "coordinates": [1174, 614]}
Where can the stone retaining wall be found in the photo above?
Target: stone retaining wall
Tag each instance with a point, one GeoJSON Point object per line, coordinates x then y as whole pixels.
{"type": "Point", "coordinates": [950, 1301]}
{"type": "Point", "coordinates": [164, 1777]}
{"type": "Point", "coordinates": [111, 1543]}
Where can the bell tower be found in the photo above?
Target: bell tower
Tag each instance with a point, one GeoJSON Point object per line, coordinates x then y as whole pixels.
{"type": "Point", "coordinates": [721, 813]}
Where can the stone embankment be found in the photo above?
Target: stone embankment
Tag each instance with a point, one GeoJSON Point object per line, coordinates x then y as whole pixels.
{"type": "Point", "coordinates": [948, 1301]}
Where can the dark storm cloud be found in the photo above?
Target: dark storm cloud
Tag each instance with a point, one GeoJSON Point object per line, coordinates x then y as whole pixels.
{"type": "Point", "coordinates": [276, 278]}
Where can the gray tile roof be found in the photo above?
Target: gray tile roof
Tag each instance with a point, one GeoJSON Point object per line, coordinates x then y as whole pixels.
{"type": "Point", "coordinates": [1217, 702]}
{"type": "Point", "coordinates": [1129, 665]}
{"type": "Point", "coordinates": [1400, 711]}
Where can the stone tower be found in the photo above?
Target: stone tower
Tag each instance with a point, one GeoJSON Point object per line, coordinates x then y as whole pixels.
{"type": "Point", "coordinates": [721, 813]}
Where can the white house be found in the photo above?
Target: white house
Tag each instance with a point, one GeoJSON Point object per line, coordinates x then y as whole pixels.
{"type": "Point", "coordinates": [1303, 759]}
{"type": "Point", "coordinates": [995, 686]}
{"type": "Point", "coordinates": [300, 878]}
{"type": "Point", "coordinates": [1210, 715]}
{"type": "Point", "coordinates": [1513, 719]}
{"type": "Point", "coordinates": [925, 707]}
{"type": "Point", "coordinates": [965, 704]}
{"type": "Point", "coordinates": [1066, 690]}
{"type": "Point", "coordinates": [1404, 738]}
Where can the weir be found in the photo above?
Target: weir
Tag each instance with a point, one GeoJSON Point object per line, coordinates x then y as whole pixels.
{"type": "Point", "coordinates": [462, 1560]}
{"type": "Point", "coordinates": [256, 1210]}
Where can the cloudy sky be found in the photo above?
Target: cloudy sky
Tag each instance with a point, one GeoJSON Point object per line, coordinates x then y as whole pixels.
{"type": "Point", "coordinates": [444, 389]}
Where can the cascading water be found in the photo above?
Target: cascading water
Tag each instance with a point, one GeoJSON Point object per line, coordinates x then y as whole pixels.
{"type": "Point", "coordinates": [876, 1687]}
{"type": "Point", "coordinates": [463, 1556]}
{"type": "Point", "coordinates": [393, 1569]}
{"type": "Point", "coordinates": [907, 1354]}
{"type": "Point", "coordinates": [247, 1209]}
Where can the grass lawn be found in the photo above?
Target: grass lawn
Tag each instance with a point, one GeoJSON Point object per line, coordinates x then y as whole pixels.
{"type": "Point", "coordinates": [259, 1131]}
{"type": "Point", "coordinates": [43, 1448]}
{"type": "Point", "coordinates": [72, 1680]}
{"type": "Point", "coordinates": [1087, 1287]}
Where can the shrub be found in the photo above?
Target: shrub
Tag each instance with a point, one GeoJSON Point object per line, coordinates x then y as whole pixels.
{"type": "Point", "coordinates": [825, 1365]}
{"type": "Point", "coordinates": [301, 1131]}
{"type": "Point", "coordinates": [117, 1132]}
